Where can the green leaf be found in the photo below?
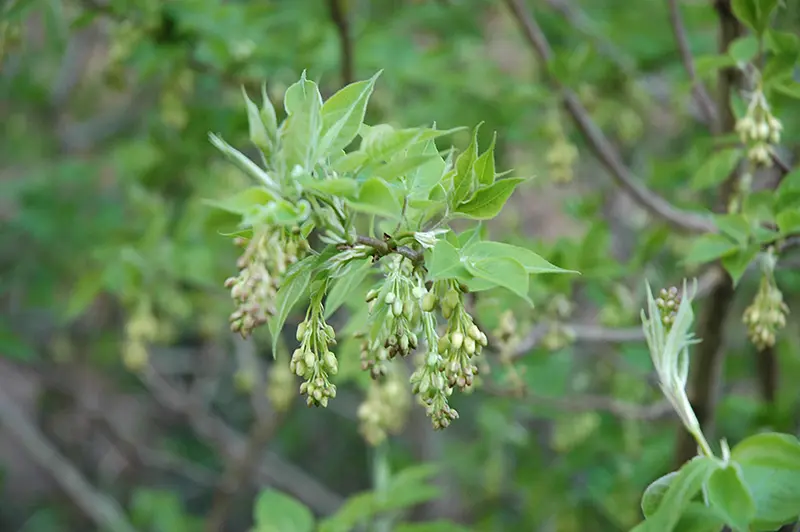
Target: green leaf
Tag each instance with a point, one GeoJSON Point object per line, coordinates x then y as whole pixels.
{"type": "Point", "coordinates": [708, 247]}
{"type": "Point", "coordinates": [402, 166]}
{"type": "Point", "coordinates": [489, 201]}
{"type": "Point", "coordinates": [709, 64]}
{"type": "Point", "coordinates": [781, 42]}
{"type": "Point", "coordinates": [737, 263]}
{"type": "Point", "coordinates": [382, 142]}
{"type": "Point", "coordinates": [293, 287]}
{"type": "Point", "coordinates": [697, 517]}
{"type": "Point", "coordinates": [790, 181]}
{"type": "Point", "coordinates": [682, 489]}
{"type": "Point", "coordinates": [427, 175]}
{"type": "Point", "coordinates": [464, 180]}
{"type": "Point", "coordinates": [484, 165]}
{"type": "Point", "coordinates": [744, 49]}
{"type": "Point", "coordinates": [351, 162]}
{"type": "Point", "coordinates": [377, 197]}
{"type": "Point", "coordinates": [241, 161]}
{"type": "Point", "coordinates": [300, 132]}
{"type": "Point", "coordinates": [343, 114]}
{"type": "Point", "coordinates": [430, 526]}
{"type": "Point", "coordinates": [444, 262]}
{"type": "Point", "coordinates": [654, 493]}
{"type": "Point", "coordinates": [337, 186]}
{"type": "Point", "coordinates": [788, 221]}
{"type": "Point", "coordinates": [788, 88]}
{"type": "Point", "coordinates": [267, 113]}
{"type": "Point", "coordinates": [753, 13]}
{"type": "Point", "coordinates": [716, 169]}
{"type": "Point", "coordinates": [533, 263]}
{"type": "Point", "coordinates": [277, 512]}
{"type": "Point", "coordinates": [735, 226]}
{"type": "Point", "coordinates": [779, 68]}
{"type": "Point", "coordinates": [258, 131]}
{"type": "Point", "coordinates": [345, 283]}
{"type": "Point", "coordinates": [244, 201]}
{"type": "Point", "coordinates": [502, 271]}
{"type": "Point", "coordinates": [770, 464]}
{"type": "Point", "coordinates": [728, 494]}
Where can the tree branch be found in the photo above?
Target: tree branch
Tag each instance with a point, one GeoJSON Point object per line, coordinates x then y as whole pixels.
{"type": "Point", "coordinates": [384, 247]}
{"type": "Point", "coordinates": [103, 510]}
{"type": "Point", "coordinates": [653, 203]}
{"type": "Point", "coordinates": [342, 23]}
{"type": "Point", "coordinates": [704, 101]}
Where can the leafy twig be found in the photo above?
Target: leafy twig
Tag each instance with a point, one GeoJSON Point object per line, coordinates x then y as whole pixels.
{"type": "Point", "coordinates": [602, 147]}
{"type": "Point", "coordinates": [103, 510]}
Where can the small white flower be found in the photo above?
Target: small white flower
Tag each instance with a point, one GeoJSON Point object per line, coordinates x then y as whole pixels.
{"type": "Point", "coordinates": [428, 239]}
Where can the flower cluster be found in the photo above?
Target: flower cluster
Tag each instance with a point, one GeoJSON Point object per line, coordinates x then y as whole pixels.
{"type": "Point", "coordinates": [265, 259]}
{"type": "Point", "coordinates": [313, 360]}
{"type": "Point", "coordinates": [385, 407]}
{"type": "Point", "coordinates": [141, 329]}
{"type": "Point", "coordinates": [668, 302]}
{"type": "Point", "coordinates": [561, 154]}
{"type": "Point", "coordinates": [759, 130]}
{"type": "Point", "coordinates": [428, 380]}
{"type": "Point", "coordinates": [394, 316]}
{"type": "Point", "coordinates": [462, 341]}
{"type": "Point", "coordinates": [766, 314]}
{"type": "Point", "coordinates": [558, 334]}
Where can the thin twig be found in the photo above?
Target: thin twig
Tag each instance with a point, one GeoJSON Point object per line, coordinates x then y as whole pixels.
{"type": "Point", "coordinates": [383, 247]}
{"type": "Point", "coordinates": [704, 101]}
{"type": "Point", "coordinates": [342, 23]}
{"type": "Point", "coordinates": [602, 147]}
{"type": "Point", "coordinates": [103, 510]}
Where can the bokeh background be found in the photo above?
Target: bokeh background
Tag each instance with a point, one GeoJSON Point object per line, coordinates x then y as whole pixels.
{"type": "Point", "coordinates": [105, 163]}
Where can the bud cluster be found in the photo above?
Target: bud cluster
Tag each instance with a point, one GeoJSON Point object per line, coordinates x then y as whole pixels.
{"type": "Point", "coordinates": [506, 333]}
{"type": "Point", "coordinates": [428, 381]}
{"type": "Point", "coordinates": [141, 329]}
{"type": "Point", "coordinates": [558, 334]}
{"type": "Point", "coordinates": [766, 315]}
{"type": "Point", "coordinates": [394, 316]}
{"type": "Point", "coordinates": [313, 360]}
{"type": "Point", "coordinates": [462, 341]}
{"type": "Point", "coordinates": [668, 302]}
{"type": "Point", "coordinates": [759, 130]}
{"type": "Point", "coordinates": [385, 407]}
{"type": "Point", "coordinates": [261, 266]}
{"type": "Point", "coordinates": [561, 154]}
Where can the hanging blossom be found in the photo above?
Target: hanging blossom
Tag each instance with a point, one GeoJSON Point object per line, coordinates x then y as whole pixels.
{"type": "Point", "coordinates": [759, 130]}
{"type": "Point", "coordinates": [766, 315]}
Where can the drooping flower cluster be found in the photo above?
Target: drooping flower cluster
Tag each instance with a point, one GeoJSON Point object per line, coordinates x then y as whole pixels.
{"type": "Point", "coordinates": [759, 130]}
{"type": "Point", "coordinates": [462, 341]}
{"type": "Point", "coordinates": [394, 316]}
{"type": "Point", "coordinates": [141, 329]}
{"type": "Point", "coordinates": [313, 360]}
{"type": "Point", "coordinates": [385, 407]}
{"type": "Point", "coordinates": [265, 259]}
{"type": "Point", "coordinates": [766, 314]}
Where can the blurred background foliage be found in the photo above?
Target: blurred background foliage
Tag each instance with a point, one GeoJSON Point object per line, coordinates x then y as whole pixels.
{"type": "Point", "coordinates": [104, 169]}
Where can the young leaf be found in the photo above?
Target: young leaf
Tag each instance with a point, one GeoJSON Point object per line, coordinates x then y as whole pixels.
{"type": "Point", "coordinates": [267, 114]}
{"type": "Point", "coordinates": [300, 131]}
{"type": "Point", "coordinates": [533, 263]}
{"type": "Point", "coordinates": [484, 165]}
{"type": "Point", "coordinates": [706, 248]}
{"type": "Point", "coordinates": [243, 163]}
{"type": "Point", "coordinates": [729, 495]}
{"type": "Point", "coordinates": [681, 491]}
{"type": "Point", "coordinates": [502, 271]}
{"type": "Point", "coordinates": [337, 186]}
{"type": "Point", "coordinates": [383, 142]}
{"type": "Point", "coordinates": [243, 202]}
{"type": "Point", "coordinates": [377, 197]}
{"type": "Point", "coordinates": [343, 114]}
{"type": "Point", "coordinates": [258, 131]}
{"type": "Point", "coordinates": [444, 262]}
{"type": "Point", "coordinates": [293, 288]}
{"type": "Point", "coordinates": [716, 168]}
{"type": "Point", "coordinates": [744, 49]}
{"type": "Point", "coordinates": [654, 493]}
{"type": "Point", "coordinates": [277, 512]}
{"type": "Point", "coordinates": [737, 263]}
{"type": "Point", "coordinates": [489, 201]}
{"type": "Point", "coordinates": [770, 464]}
{"type": "Point", "coordinates": [345, 283]}
{"type": "Point", "coordinates": [465, 181]}
{"type": "Point", "coordinates": [788, 221]}
{"type": "Point", "coordinates": [427, 175]}
{"type": "Point", "coordinates": [735, 226]}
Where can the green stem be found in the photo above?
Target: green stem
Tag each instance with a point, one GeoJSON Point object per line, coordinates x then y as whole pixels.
{"type": "Point", "coordinates": [381, 474]}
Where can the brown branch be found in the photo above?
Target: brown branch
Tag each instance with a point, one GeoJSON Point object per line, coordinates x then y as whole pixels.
{"type": "Point", "coordinates": [103, 510]}
{"type": "Point", "coordinates": [606, 153]}
{"type": "Point", "coordinates": [384, 247]}
{"type": "Point", "coordinates": [704, 101]}
{"type": "Point", "coordinates": [347, 55]}
{"type": "Point", "coordinates": [707, 369]}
